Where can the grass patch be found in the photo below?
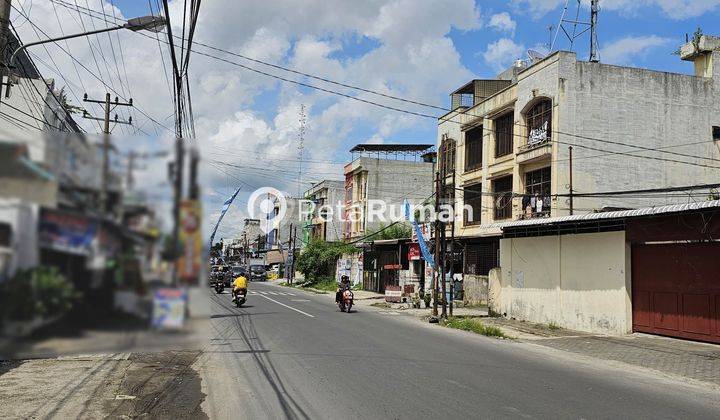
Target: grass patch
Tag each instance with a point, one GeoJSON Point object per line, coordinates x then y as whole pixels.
{"type": "Point", "coordinates": [326, 284]}
{"type": "Point", "coordinates": [553, 326]}
{"type": "Point", "coordinates": [473, 325]}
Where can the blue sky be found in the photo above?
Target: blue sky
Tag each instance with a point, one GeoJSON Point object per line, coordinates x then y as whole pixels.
{"type": "Point", "coordinates": [416, 49]}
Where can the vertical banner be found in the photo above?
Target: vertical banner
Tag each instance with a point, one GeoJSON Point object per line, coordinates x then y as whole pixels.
{"type": "Point", "coordinates": [190, 259]}
{"type": "Point", "coordinates": [225, 207]}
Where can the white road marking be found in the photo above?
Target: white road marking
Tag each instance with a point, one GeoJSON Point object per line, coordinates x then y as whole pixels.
{"type": "Point", "coordinates": [272, 293]}
{"type": "Point", "coordinates": [300, 300]}
{"type": "Point", "coordinates": [287, 306]}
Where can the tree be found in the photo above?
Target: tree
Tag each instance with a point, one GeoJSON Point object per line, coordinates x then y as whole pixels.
{"type": "Point", "coordinates": [400, 230]}
{"type": "Point", "coordinates": [66, 104]}
{"type": "Point", "coordinates": [319, 257]}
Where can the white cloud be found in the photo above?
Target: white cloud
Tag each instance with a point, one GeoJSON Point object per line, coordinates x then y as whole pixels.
{"type": "Point", "coordinates": [673, 9]}
{"type": "Point", "coordinates": [501, 53]}
{"type": "Point", "coordinates": [503, 22]}
{"type": "Point", "coordinates": [250, 120]}
{"type": "Point", "coordinates": [624, 50]}
{"type": "Point", "coordinates": [536, 8]}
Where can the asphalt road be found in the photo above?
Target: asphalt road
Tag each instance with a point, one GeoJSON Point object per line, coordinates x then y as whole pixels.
{"type": "Point", "coordinates": [297, 356]}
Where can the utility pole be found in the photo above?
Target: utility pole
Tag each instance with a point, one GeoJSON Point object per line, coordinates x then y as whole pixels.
{"type": "Point", "coordinates": [4, 26]}
{"type": "Point", "coordinates": [132, 158]}
{"type": "Point", "coordinates": [108, 107]}
{"type": "Point", "coordinates": [570, 149]}
{"type": "Point", "coordinates": [302, 117]}
{"type": "Point", "coordinates": [437, 244]}
{"type": "Point", "coordinates": [289, 273]}
{"type": "Point", "coordinates": [443, 259]}
{"type": "Point", "coordinates": [594, 8]}
{"type": "Point", "coordinates": [452, 248]}
{"type": "Point", "coordinates": [294, 245]}
{"type": "Point", "coordinates": [194, 187]}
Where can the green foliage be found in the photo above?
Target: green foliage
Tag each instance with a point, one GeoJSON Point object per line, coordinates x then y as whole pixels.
{"type": "Point", "coordinates": [394, 231]}
{"type": "Point", "coordinates": [40, 291]}
{"type": "Point", "coordinates": [553, 326]}
{"type": "Point", "coordinates": [319, 257]}
{"type": "Point", "coordinates": [65, 103]}
{"type": "Point", "coordinates": [327, 284]}
{"type": "Point", "coordinates": [695, 41]}
{"type": "Point", "coordinates": [473, 325]}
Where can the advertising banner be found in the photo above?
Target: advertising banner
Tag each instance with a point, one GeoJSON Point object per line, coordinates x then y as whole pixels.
{"type": "Point", "coordinates": [189, 261]}
{"type": "Point", "coordinates": [67, 232]}
{"type": "Point", "coordinates": [169, 308]}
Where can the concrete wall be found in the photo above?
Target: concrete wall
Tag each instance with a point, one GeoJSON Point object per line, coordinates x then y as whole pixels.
{"type": "Point", "coordinates": [23, 218]}
{"type": "Point", "coordinates": [475, 290]}
{"type": "Point", "coordinates": [393, 181]}
{"type": "Point", "coordinates": [580, 282]}
{"type": "Point", "coordinates": [595, 104]}
{"type": "Point", "coordinates": [650, 109]}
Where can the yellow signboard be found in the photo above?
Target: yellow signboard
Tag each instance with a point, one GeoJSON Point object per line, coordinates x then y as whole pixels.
{"type": "Point", "coordinates": [189, 261]}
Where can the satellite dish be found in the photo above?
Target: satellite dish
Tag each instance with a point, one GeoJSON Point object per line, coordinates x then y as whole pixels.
{"type": "Point", "coordinates": [535, 56]}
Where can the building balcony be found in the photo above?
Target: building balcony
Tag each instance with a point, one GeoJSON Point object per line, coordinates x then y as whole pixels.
{"type": "Point", "coordinates": [534, 151]}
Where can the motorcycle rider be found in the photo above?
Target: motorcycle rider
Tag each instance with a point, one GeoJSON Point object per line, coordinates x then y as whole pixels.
{"type": "Point", "coordinates": [239, 284]}
{"type": "Point", "coordinates": [344, 285]}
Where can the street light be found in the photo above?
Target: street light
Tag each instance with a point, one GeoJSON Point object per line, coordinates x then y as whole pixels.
{"type": "Point", "coordinates": [148, 23]}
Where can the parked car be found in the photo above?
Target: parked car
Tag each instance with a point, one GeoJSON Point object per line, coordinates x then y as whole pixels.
{"type": "Point", "coordinates": [258, 273]}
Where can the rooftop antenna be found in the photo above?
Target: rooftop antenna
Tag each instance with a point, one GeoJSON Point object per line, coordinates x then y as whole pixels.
{"type": "Point", "coordinates": [302, 118]}
{"type": "Point", "coordinates": [574, 28]}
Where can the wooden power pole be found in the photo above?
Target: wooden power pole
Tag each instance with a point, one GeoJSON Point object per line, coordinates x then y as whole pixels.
{"type": "Point", "coordinates": [4, 27]}
{"type": "Point", "coordinates": [108, 107]}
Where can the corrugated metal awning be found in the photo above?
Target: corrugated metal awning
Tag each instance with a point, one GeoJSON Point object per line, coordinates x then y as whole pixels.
{"type": "Point", "coordinates": [623, 214]}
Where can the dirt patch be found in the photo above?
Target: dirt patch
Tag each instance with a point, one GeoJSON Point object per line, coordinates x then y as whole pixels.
{"type": "Point", "coordinates": [7, 365]}
{"type": "Point", "coordinates": [159, 385]}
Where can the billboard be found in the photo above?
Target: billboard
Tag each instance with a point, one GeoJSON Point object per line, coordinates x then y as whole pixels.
{"type": "Point", "coordinates": [190, 258]}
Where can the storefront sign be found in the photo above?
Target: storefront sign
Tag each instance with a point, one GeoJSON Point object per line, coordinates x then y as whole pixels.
{"type": "Point", "coordinates": [67, 232]}
{"type": "Point", "coordinates": [414, 252]}
{"type": "Point", "coordinates": [169, 308]}
{"type": "Point", "coordinates": [393, 294]}
{"type": "Point", "coordinates": [392, 266]}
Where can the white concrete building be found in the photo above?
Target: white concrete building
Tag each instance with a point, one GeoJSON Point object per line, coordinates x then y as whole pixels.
{"type": "Point", "coordinates": [504, 150]}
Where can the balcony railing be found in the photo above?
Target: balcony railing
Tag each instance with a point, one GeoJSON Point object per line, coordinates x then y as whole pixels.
{"type": "Point", "coordinates": [534, 215]}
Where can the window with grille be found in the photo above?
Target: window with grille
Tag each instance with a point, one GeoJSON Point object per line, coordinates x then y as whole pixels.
{"type": "Point", "coordinates": [502, 192]}
{"type": "Point", "coordinates": [481, 257]}
{"type": "Point", "coordinates": [504, 134]}
{"type": "Point", "coordinates": [537, 186]}
{"type": "Point", "coordinates": [473, 148]}
{"type": "Point", "coordinates": [539, 122]}
{"type": "Point", "coordinates": [447, 156]}
{"type": "Point", "coordinates": [472, 197]}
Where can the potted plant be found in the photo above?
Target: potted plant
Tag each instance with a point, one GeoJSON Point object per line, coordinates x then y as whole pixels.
{"type": "Point", "coordinates": [427, 298]}
{"type": "Point", "coordinates": [416, 301]}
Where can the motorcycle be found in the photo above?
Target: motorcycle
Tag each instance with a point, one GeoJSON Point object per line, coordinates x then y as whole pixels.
{"type": "Point", "coordinates": [239, 297]}
{"type": "Point", "coordinates": [219, 286]}
{"type": "Point", "coordinates": [346, 301]}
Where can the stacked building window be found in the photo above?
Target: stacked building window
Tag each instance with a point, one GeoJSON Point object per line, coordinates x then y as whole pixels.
{"type": "Point", "coordinates": [536, 202]}
{"type": "Point", "coordinates": [539, 121]}
{"type": "Point", "coordinates": [472, 197]}
{"type": "Point", "coordinates": [447, 157]}
{"type": "Point", "coordinates": [473, 148]}
{"type": "Point", "coordinates": [504, 134]}
{"type": "Point", "coordinates": [502, 192]}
